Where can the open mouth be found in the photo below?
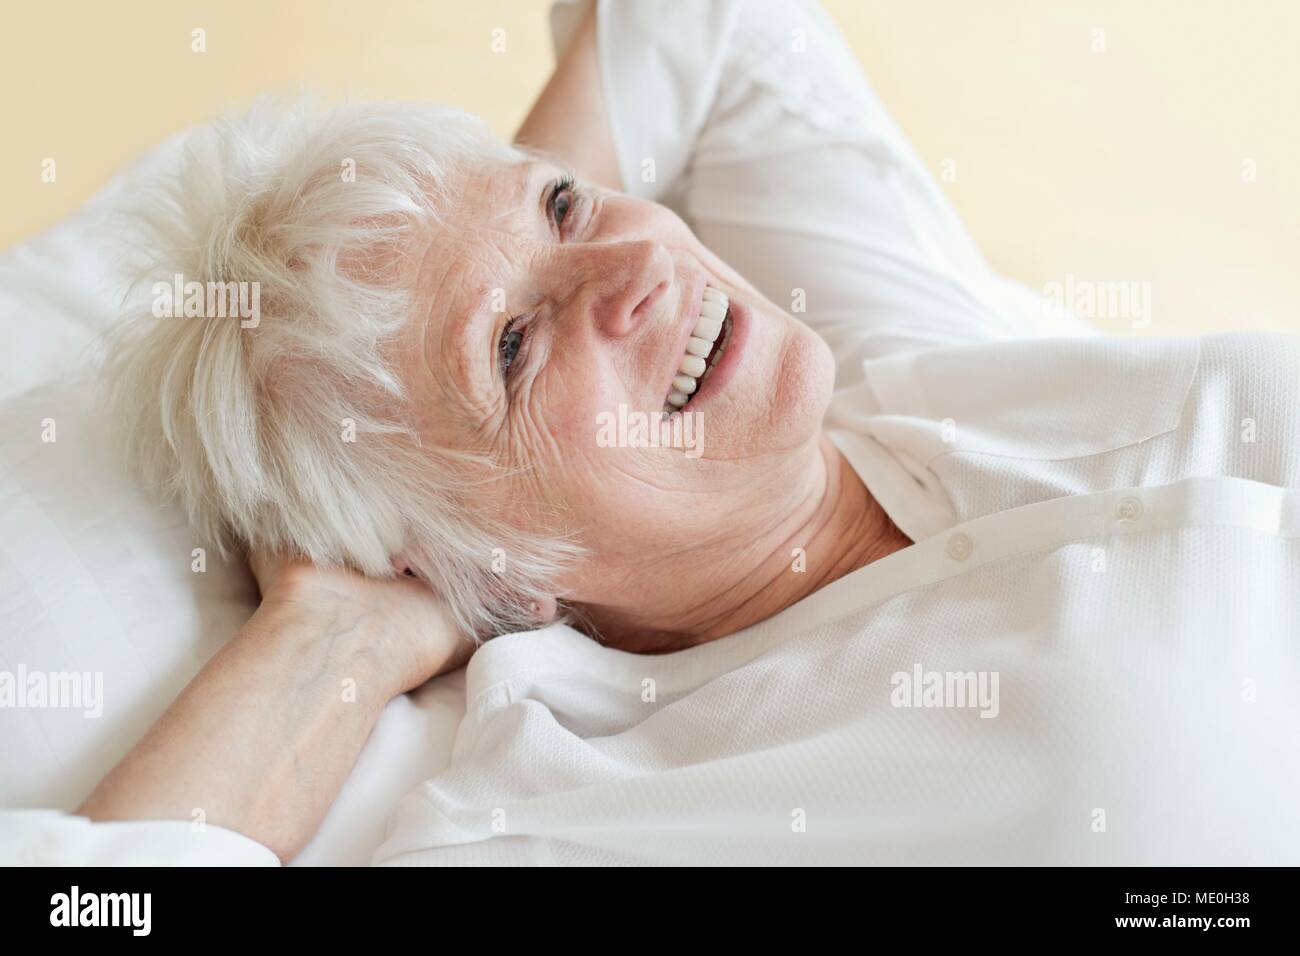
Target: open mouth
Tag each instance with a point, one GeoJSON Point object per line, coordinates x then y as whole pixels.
{"type": "Point", "coordinates": [704, 349]}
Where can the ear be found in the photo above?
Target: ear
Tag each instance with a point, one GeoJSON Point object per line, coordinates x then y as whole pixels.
{"type": "Point", "coordinates": [401, 567]}
{"type": "Point", "coordinates": [544, 610]}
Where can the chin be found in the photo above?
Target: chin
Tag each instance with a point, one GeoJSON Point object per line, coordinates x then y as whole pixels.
{"type": "Point", "coordinates": [804, 379]}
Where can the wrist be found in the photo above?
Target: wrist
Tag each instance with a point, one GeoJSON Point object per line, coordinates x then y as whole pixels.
{"type": "Point", "coordinates": [330, 640]}
{"type": "Point", "coordinates": [396, 632]}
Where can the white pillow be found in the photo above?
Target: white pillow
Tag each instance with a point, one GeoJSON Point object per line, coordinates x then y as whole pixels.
{"type": "Point", "coordinates": [60, 288]}
{"type": "Point", "coordinates": [95, 577]}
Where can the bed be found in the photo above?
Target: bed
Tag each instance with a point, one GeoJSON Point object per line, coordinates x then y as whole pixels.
{"type": "Point", "coordinates": [97, 578]}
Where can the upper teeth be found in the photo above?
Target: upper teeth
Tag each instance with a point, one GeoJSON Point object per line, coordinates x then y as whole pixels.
{"type": "Point", "coordinates": [693, 368]}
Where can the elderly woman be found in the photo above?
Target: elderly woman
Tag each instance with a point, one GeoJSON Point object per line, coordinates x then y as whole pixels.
{"type": "Point", "coordinates": [416, 420]}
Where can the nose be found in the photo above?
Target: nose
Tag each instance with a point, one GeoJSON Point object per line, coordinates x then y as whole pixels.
{"type": "Point", "coordinates": [621, 282]}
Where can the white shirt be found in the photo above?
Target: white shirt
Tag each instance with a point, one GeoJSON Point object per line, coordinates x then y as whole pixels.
{"type": "Point", "coordinates": [1106, 542]}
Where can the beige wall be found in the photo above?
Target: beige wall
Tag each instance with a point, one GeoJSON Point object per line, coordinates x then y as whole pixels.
{"type": "Point", "coordinates": [1131, 163]}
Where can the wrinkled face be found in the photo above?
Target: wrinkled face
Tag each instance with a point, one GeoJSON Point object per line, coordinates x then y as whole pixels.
{"type": "Point", "coordinates": [560, 320]}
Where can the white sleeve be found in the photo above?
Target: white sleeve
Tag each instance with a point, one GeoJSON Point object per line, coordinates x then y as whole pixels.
{"type": "Point", "coordinates": [660, 66]}
{"type": "Point", "coordinates": [53, 838]}
{"type": "Point", "coordinates": [753, 120]}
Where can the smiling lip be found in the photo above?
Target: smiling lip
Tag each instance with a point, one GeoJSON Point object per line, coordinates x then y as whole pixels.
{"type": "Point", "coordinates": [734, 334]}
{"type": "Point", "coordinates": [688, 319]}
{"type": "Point", "coordinates": [740, 317]}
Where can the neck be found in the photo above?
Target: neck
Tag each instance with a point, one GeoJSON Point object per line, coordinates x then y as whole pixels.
{"type": "Point", "coordinates": [837, 528]}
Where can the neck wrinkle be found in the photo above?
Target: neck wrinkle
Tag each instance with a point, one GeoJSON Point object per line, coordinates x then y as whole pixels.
{"type": "Point", "coordinates": [846, 530]}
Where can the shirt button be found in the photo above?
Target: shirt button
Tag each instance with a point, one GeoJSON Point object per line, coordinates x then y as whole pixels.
{"type": "Point", "coordinates": [960, 546]}
{"type": "Point", "coordinates": [1130, 509]}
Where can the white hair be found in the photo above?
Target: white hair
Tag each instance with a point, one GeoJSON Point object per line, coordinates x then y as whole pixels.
{"type": "Point", "coordinates": [247, 425]}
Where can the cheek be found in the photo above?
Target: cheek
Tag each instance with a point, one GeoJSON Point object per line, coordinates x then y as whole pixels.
{"type": "Point", "coordinates": [557, 430]}
{"type": "Point", "coordinates": [635, 501]}
{"type": "Point", "coordinates": [804, 390]}
{"type": "Point", "coordinates": [609, 493]}
{"type": "Point", "coordinates": [788, 389]}
{"type": "Point", "coordinates": [807, 377]}
{"type": "Point", "coordinates": [567, 397]}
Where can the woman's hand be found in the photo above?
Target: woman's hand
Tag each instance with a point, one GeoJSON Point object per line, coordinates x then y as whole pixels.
{"type": "Point", "coordinates": [414, 637]}
{"type": "Point", "coordinates": [262, 739]}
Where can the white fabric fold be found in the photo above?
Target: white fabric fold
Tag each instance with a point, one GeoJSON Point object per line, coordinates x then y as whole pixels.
{"type": "Point", "coordinates": [52, 838]}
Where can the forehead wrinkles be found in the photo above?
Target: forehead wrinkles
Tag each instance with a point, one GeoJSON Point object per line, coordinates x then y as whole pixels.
{"type": "Point", "coordinates": [483, 245]}
{"type": "Point", "coordinates": [498, 196]}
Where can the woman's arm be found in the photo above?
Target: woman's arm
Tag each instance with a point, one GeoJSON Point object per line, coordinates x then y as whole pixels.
{"type": "Point", "coordinates": [262, 739]}
{"type": "Point", "coordinates": [570, 120]}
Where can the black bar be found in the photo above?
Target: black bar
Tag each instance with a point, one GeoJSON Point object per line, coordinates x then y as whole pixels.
{"type": "Point", "coordinates": [333, 906]}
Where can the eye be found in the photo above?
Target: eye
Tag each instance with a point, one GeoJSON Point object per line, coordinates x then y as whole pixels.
{"type": "Point", "coordinates": [561, 200]}
{"type": "Point", "coordinates": [508, 347]}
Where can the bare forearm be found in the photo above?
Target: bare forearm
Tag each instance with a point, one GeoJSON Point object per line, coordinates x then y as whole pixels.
{"type": "Point", "coordinates": [570, 120]}
{"type": "Point", "coordinates": [262, 739]}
